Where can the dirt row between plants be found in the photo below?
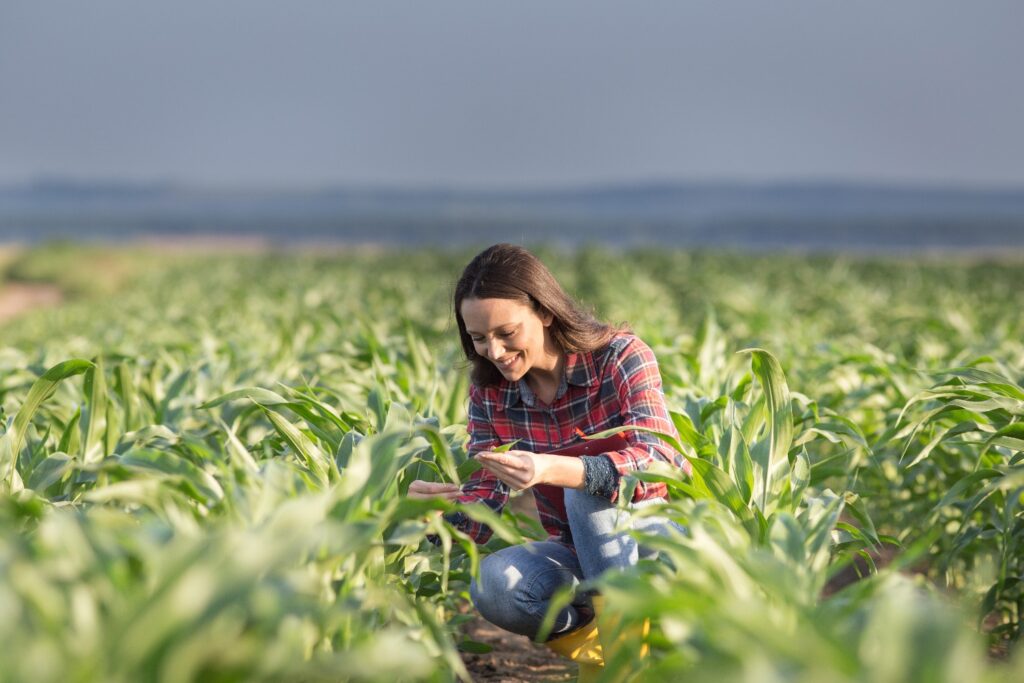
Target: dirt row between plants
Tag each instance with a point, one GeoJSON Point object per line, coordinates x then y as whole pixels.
{"type": "Point", "coordinates": [17, 298]}
{"type": "Point", "coordinates": [513, 659]}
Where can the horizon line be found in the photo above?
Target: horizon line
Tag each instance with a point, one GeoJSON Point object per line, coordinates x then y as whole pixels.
{"type": "Point", "coordinates": [72, 181]}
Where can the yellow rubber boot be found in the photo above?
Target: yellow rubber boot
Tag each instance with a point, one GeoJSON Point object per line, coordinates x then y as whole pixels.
{"type": "Point", "coordinates": [582, 646]}
{"type": "Point", "coordinates": [614, 637]}
{"type": "Point", "coordinates": [587, 648]}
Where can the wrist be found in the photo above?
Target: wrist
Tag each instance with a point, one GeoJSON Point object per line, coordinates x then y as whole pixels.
{"type": "Point", "coordinates": [564, 471]}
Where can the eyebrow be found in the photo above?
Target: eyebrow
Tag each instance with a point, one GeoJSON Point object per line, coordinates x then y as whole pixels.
{"type": "Point", "coordinates": [496, 327]}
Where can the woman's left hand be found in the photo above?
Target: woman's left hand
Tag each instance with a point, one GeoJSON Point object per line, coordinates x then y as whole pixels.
{"type": "Point", "coordinates": [519, 469]}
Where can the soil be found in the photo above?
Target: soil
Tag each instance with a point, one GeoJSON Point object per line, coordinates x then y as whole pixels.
{"type": "Point", "coordinates": [17, 298]}
{"type": "Point", "coordinates": [513, 658]}
{"type": "Point", "coordinates": [860, 569]}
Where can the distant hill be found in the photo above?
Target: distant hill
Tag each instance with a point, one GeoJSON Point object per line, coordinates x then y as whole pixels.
{"type": "Point", "coordinates": [822, 216]}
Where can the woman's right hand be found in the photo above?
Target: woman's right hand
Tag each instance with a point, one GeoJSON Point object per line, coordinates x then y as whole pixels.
{"type": "Point", "coordinates": [425, 490]}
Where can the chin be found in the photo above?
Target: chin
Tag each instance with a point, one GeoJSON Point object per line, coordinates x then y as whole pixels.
{"type": "Point", "coordinates": [510, 374]}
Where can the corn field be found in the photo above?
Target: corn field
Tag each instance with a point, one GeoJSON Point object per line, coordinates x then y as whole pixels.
{"type": "Point", "coordinates": [204, 460]}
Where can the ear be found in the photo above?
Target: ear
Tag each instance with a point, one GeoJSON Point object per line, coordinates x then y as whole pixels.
{"type": "Point", "coordinates": [547, 317]}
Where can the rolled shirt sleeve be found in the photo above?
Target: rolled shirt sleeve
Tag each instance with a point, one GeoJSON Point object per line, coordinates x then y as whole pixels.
{"type": "Point", "coordinates": [637, 380]}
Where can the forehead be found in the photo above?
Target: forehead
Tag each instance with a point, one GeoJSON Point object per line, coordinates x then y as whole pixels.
{"type": "Point", "coordinates": [484, 315]}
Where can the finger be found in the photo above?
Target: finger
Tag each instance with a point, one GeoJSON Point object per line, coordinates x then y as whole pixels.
{"type": "Point", "coordinates": [509, 461]}
{"type": "Point", "coordinates": [425, 490]}
{"type": "Point", "coordinates": [432, 487]}
{"type": "Point", "coordinates": [450, 497]}
{"type": "Point", "coordinates": [512, 479]}
{"type": "Point", "coordinates": [489, 464]}
{"type": "Point", "coordinates": [497, 469]}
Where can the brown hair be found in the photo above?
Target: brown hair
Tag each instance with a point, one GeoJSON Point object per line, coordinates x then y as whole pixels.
{"type": "Point", "coordinates": [506, 271]}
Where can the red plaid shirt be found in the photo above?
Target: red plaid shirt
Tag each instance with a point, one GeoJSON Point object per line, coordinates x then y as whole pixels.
{"type": "Point", "coordinates": [614, 386]}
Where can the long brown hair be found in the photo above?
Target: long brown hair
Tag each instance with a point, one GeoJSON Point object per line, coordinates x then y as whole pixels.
{"type": "Point", "coordinates": [507, 271]}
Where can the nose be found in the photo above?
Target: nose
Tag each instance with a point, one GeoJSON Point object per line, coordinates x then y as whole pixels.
{"type": "Point", "coordinates": [494, 349]}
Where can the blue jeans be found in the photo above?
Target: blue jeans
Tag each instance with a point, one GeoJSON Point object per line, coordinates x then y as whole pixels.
{"type": "Point", "coordinates": [516, 583]}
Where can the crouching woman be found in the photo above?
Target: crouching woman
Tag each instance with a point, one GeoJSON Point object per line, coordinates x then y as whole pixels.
{"type": "Point", "coordinates": [543, 373]}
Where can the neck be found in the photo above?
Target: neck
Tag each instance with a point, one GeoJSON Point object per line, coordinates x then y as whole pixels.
{"type": "Point", "coordinates": [548, 372]}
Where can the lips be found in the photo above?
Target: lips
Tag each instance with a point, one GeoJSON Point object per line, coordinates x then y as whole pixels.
{"type": "Point", "coordinates": [507, 363]}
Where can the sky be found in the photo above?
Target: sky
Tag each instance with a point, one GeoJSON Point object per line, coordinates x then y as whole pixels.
{"type": "Point", "coordinates": [512, 94]}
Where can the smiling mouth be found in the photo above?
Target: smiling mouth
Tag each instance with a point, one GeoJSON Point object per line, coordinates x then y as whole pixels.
{"type": "Point", "coordinates": [504, 365]}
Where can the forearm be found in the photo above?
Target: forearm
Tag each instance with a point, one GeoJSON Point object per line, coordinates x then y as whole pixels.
{"type": "Point", "coordinates": [564, 471]}
{"type": "Point", "coordinates": [594, 474]}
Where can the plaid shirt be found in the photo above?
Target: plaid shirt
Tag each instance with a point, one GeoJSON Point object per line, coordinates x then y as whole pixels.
{"type": "Point", "coordinates": [614, 386]}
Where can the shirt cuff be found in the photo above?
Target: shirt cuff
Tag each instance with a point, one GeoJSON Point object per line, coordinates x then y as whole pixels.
{"type": "Point", "coordinates": [600, 478]}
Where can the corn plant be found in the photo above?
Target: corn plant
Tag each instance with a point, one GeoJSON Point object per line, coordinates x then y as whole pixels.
{"type": "Point", "coordinates": [966, 432]}
{"type": "Point", "coordinates": [202, 477]}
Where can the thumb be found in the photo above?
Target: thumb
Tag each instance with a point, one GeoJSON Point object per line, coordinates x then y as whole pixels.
{"type": "Point", "coordinates": [432, 487]}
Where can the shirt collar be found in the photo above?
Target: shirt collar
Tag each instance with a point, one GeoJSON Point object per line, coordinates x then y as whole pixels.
{"type": "Point", "coordinates": [579, 371]}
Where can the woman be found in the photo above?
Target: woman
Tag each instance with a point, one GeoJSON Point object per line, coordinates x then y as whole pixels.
{"type": "Point", "coordinates": [543, 373]}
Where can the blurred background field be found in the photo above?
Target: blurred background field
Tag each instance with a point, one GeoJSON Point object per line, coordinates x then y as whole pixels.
{"type": "Point", "coordinates": [229, 234]}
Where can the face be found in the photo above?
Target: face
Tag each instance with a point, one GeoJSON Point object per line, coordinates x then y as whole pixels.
{"type": "Point", "coordinates": [509, 334]}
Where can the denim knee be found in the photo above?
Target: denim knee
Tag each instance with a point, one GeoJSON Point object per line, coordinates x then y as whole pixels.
{"type": "Point", "coordinates": [492, 592]}
{"type": "Point", "coordinates": [601, 543]}
{"type": "Point", "coordinates": [516, 584]}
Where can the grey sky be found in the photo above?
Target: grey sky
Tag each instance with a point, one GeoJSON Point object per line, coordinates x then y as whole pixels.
{"type": "Point", "coordinates": [522, 93]}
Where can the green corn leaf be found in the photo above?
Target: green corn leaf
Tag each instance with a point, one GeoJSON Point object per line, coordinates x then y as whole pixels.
{"type": "Point", "coordinates": [667, 438]}
{"type": "Point", "coordinates": [474, 647]}
{"type": "Point", "coordinates": [70, 438]}
{"type": "Point", "coordinates": [800, 477]}
{"type": "Point", "coordinates": [716, 485]}
{"type": "Point", "coordinates": [442, 453]}
{"type": "Point", "coordinates": [12, 441]}
{"type": "Point", "coordinates": [957, 490]}
{"type": "Point", "coordinates": [479, 512]}
{"type": "Point", "coordinates": [261, 397]}
{"type": "Point", "coordinates": [1011, 436]}
{"type": "Point", "coordinates": [467, 468]}
{"type": "Point", "coordinates": [743, 469]}
{"type": "Point", "coordinates": [779, 421]}
{"type": "Point", "coordinates": [50, 471]}
{"type": "Point", "coordinates": [94, 419]}
{"type": "Point", "coordinates": [309, 452]}
{"type": "Point", "coordinates": [688, 434]}
{"type": "Point", "coordinates": [199, 484]}
{"type": "Point", "coordinates": [127, 393]}
{"type": "Point", "coordinates": [506, 447]}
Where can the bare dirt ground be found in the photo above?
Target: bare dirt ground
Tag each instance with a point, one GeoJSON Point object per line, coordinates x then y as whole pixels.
{"type": "Point", "coordinates": [514, 658]}
{"type": "Point", "coordinates": [17, 298]}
